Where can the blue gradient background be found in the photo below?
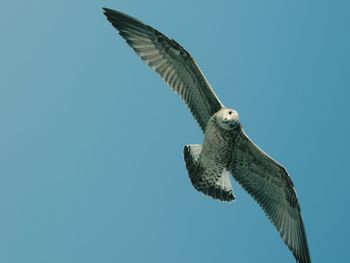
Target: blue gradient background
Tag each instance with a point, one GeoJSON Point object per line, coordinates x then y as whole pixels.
{"type": "Point", "coordinates": [91, 139]}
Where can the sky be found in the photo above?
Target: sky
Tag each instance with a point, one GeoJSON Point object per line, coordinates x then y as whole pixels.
{"type": "Point", "coordinates": [91, 139]}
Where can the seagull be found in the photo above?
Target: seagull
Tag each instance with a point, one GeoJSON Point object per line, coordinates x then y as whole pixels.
{"type": "Point", "coordinates": [226, 150]}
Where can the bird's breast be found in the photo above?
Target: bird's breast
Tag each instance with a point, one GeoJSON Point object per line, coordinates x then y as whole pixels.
{"type": "Point", "coordinates": [217, 145]}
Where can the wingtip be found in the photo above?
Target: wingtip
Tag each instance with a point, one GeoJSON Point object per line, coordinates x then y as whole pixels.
{"type": "Point", "coordinates": [109, 12]}
{"type": "Point", "coordinates": [106, 9]}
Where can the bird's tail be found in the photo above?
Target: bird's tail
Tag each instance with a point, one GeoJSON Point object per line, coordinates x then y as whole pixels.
{"type": "Point", "coordinates": [216, 185]}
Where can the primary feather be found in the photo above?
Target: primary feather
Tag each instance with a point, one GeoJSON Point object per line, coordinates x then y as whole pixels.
{"type": "Point", "coordinates": [172, 62]}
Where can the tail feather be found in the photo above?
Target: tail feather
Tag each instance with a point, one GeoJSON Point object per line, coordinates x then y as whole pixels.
{"type": "Point", "coordinates": [212, 182]}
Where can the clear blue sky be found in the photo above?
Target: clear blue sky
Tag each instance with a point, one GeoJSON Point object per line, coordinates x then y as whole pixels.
{"type": "Point", "coordinates": [91, 140]}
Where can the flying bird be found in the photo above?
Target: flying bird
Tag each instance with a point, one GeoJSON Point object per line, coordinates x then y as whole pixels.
{"type": "Point", "coordinates": [226, 148]}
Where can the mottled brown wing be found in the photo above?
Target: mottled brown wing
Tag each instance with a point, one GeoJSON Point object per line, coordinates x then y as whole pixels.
{"type": "Point", "coordinates": [171, 61]}
{"type": "Point", "coordinates": [269, 184]}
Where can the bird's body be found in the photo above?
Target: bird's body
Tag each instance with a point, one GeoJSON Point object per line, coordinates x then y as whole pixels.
{"type": "Point", "coordinates": [226, 149]}
{"type": "Point", "coordinates": [210, 173]}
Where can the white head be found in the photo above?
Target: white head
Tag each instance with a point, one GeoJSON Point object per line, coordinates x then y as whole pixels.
{"type": "Point", "coordinates": [227, 119]}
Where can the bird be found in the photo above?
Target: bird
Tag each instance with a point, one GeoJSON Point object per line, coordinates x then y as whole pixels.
{"type": "Point", "coordinates": [226, 149]}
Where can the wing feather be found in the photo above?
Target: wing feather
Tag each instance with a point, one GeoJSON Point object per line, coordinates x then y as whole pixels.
{"type": "Point", "coordinates": [270, 185]}
{"type": "Point", "coordinates": [172, 62]}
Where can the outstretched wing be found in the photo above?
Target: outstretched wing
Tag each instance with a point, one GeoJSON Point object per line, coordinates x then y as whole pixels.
{"type": "Point", "coordinates": [172, 62]}
{"type": "Point", "coordinates": [269, 184]}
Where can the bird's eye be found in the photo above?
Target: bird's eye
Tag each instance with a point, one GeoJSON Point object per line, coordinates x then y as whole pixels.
{"type": "Point", "coordinates": [230, 112]}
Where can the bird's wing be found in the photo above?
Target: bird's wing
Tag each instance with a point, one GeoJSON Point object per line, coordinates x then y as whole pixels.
{"type": "Point", "coordinates": [172, 62]}
{"type": "Point", "coordinates": [269, 184]}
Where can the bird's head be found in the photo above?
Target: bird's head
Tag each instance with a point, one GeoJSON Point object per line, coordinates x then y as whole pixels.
{"type": "Point", "coordinates": [227, 119]}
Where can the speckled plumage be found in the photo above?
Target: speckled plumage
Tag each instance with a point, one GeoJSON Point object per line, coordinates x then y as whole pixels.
{"type": "Point", "coordinates": [210, 173]}
{"type": "Point", "coordinates": [226, 148]}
